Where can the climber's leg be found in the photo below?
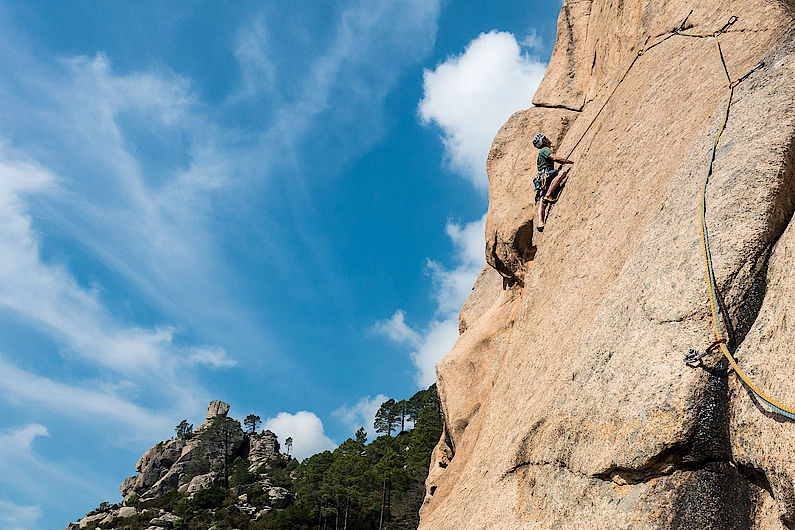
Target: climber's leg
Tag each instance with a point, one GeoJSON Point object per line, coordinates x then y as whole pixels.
{"type": "Point", "coordinates": [540, 211]}
{"type": "Point", "coordinates": [556, 182]}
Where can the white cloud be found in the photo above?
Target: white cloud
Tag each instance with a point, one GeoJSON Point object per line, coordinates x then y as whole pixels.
{"type": "Point", "coordinates": [151, 228]}
{"type": "Point", "coordinates": [27, 475]}
{"type": "Point", "coordinates": [470, 96]}
{"type": "Point", "coordinates": [47, 297]}
{"type": "Point", "coordinates": [533, 41]}
{"type": "Point", "coordinates": [85, 404]}
{"type": "Point", "coordinates": [437, 339]}
{"type": "Point", "coordinates": [21, 440]}
{"type": "Point", "coordinates": [212, 357]}
{"type": "Point", "coordinates": [451, 289]}
{"type": "Point", "coordinates": [453, 286]}
{"type": "Point", "coordinates": [305, 428]}
{"type": "Point", "coordinates": [142, 215]}
{"type": "Point", "coordinates": [17, 517]}
{"type": "Point", "coordinates": [253, 57]}
{"type": "Point", "coordinates": [362, 414]}
{"type": "Point", "coordinates": [396, 330]}
{"type": "Point", "coordinates": [370, 40]}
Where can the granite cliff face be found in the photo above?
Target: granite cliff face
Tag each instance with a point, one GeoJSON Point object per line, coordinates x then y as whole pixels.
{"type": "Point", "coordinates": [566, 398]}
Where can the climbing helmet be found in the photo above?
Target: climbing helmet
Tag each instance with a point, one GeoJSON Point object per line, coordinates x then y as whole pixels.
{"type": "Point", "coordinates": [538, 140]}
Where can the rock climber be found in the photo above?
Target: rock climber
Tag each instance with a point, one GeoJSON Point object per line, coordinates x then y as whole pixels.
{"type": "Point", "coordinates": [548, 179]}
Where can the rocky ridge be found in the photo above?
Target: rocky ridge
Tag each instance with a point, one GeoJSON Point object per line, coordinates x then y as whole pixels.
{"type": "Point", "coordinates": [566, 400]}
{"type": "Point", "coordinates": [169, 465]}
{"type": "Point", "coordinates": [190, 463]}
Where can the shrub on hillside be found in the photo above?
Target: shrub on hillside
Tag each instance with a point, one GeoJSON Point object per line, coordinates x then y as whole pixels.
{"type": "Point", "coordinates": [210, 498]}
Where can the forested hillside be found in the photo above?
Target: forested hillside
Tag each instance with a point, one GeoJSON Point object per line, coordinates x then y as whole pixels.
{"type": "Point", "coordinates": [222, 477]}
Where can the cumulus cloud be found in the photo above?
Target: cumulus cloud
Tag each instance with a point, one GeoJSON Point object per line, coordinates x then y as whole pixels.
{"type": "Point", "coordinates": [362, 414]}
{"type": "Point", "coordinates": [437, 339]}
{"type": "Point", "coordinates": [451, 288]}
{"type": "Point", "coordinates": [305, 428]}
{"type": "Point", "coordinates": [396, 330]}
{"type": "Point", "coordinates": [470, 96]}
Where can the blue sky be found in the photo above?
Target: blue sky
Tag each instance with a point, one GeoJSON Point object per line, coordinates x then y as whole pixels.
{"type": "Point", "coordinates": [276, 204]}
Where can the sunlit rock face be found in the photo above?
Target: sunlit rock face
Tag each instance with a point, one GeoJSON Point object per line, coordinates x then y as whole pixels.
{"type": "Point", "coordinates": [217, 408]}
{"type": "Point", "coordinates": [183, 463]}
{"type": "Point", "coordinates": [263, 448]}
{"type": "Point", "coordinates": [566, 400]}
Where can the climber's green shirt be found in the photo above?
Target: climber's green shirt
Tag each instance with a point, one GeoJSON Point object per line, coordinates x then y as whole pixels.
{"type": "Point", "coordinates": [544, 162]}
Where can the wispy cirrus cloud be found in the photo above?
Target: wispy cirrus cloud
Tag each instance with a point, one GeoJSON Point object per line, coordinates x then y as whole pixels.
{"type": "Point", "coordinates": [21, 440]}
{"type": "Point", "coordinates": [25, 473]}
{"type": "Point", "coordinates": [49, 298]}
{"type": "Point", "coordinates": [88, 405]}
{"type": "Point", "coordinates": [120, 191]}
{"type": "Point", "coordinates": [19, 517]}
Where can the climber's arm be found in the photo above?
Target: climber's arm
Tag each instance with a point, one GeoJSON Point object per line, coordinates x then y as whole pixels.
{"type": "Point", "coordinates": [560, 159]}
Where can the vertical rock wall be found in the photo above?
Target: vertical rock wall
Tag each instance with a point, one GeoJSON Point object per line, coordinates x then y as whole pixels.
{"type": "Point", "coordinates": [566, 400]}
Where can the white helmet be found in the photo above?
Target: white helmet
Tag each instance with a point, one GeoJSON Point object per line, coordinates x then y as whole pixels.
{"type": "Point", "coordinates": [538, 140]}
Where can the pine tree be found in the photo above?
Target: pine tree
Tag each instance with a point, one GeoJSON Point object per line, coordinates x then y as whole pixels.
{"type": "Point", "coordinates": [386, 418]}
{"type": "Point", "coordinates": [224, 435]}
{"type": "Point", "coordinates": [401, 411]}
{"type": "Point", "coordinates": [361, 436]}
{"type": "Point", "coordinates": [424, 436]}
{"type": "Point", "coordinates": [184, 429]}
{"type": "Point", "coordinates": [251, 421]}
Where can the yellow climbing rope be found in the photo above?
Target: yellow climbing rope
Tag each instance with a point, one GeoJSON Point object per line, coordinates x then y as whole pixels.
{"type": "Point", "coordinates": [721, 340]}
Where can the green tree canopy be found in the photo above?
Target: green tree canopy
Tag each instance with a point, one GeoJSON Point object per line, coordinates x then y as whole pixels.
{"type": "Point", "coordinates": [386, 419]}
{"type": "Point", "coordinates": [361, 436]}
{"type": "Point", "coordinates": [184, 429]}
{"type": "Point", "coordinates": [251, 421]}
{"type": "Point", "coordinates": [426, 433]}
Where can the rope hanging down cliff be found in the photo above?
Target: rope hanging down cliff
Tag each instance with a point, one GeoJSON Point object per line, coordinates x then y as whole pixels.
{"type": "Point", "coordinates": [721, 340]}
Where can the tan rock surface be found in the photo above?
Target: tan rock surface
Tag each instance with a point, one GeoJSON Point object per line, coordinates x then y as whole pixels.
{"type": "Point", "coordinates": [263, 448]}
{"type": "Point", "coordinates": [566, 400]}
{"type": "Point", "coordinates": [217, 408]}
{"type": "Point", "coordinates": [512, 160]}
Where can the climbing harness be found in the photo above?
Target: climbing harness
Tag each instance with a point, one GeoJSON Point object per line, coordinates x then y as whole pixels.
{"type": "Point", "coordinates": [693, 357]}
{"type": "Point", "coordinates": [541, 182]}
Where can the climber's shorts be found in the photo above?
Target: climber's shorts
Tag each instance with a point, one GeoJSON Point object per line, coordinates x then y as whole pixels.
{"type": "Point", "coordinates": [551, 174]}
